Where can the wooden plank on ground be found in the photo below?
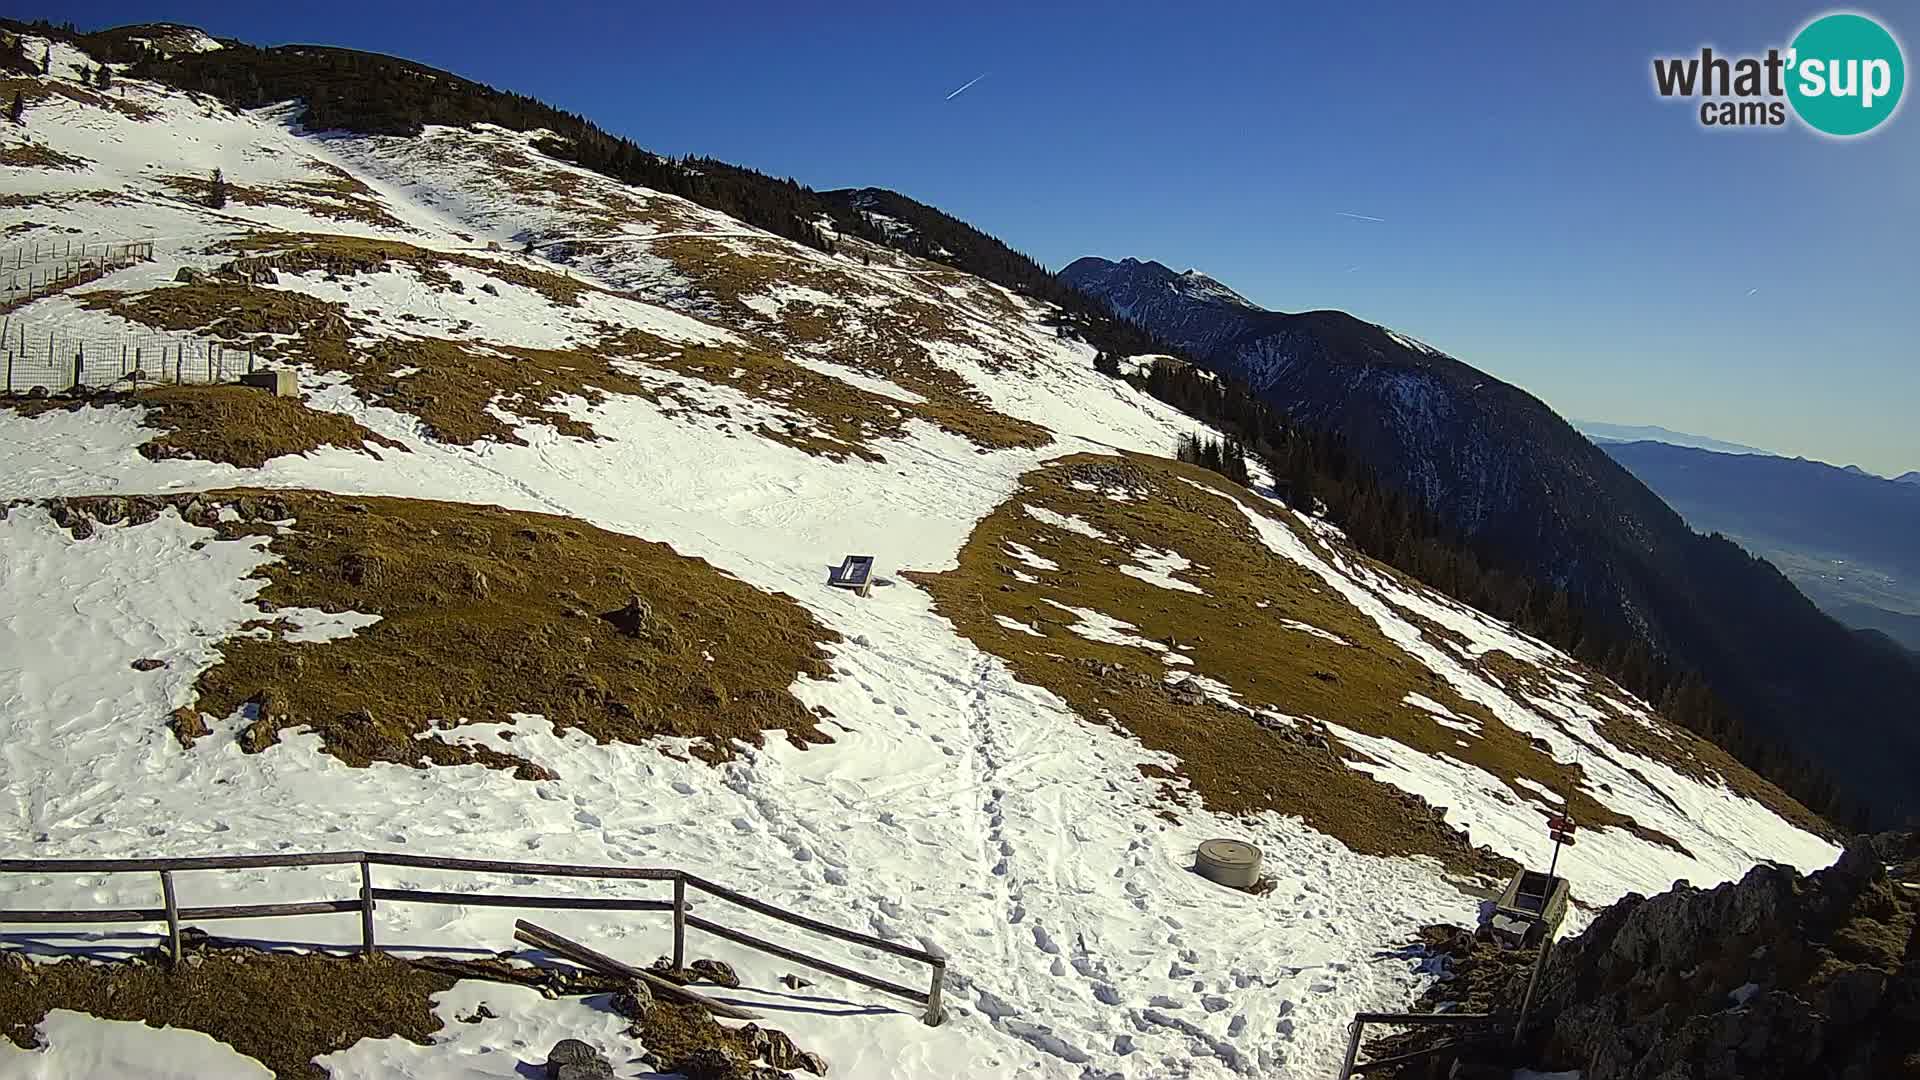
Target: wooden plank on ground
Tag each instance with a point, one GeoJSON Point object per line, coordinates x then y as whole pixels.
{"type": "Point", "coordinates": [542, 938]}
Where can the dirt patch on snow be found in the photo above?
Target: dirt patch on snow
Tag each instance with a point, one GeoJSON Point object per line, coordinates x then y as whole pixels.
{"type": "Point", "coordinates": [35, 156]}
{"type": "Point", "coordinates": [1269, 754]}
{"type": "Point", "coordinates": [485, 613]}
{"type": "Point", "coordinates": [282, 1009]}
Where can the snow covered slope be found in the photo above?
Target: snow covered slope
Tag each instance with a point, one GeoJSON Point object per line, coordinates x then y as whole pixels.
{"type": "Point", "coordinates": [655, 369]}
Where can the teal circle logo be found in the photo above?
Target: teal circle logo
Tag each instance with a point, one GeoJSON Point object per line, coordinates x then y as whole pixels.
{"type": "Point", "coordinates": [1845, 74]}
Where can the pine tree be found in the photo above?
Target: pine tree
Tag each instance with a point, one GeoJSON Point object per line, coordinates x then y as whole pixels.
{"type": "Point", "coordinates": [18, 111]}
{"type": "Point", "coordinates": [46, 61]}
{"type": "Point", "coordinates": [217, 191]}
{"type": "Point", "coordinates": [104, 78]}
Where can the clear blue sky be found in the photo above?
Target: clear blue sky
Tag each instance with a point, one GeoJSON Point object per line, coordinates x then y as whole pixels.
{"type": "Point", "coordinates": [1547, 218]}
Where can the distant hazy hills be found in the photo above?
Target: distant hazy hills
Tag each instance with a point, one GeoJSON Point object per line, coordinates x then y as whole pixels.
{"type": "Point", "coordinates": [1604, 433]}
{"type": "Point", "coordinates": [1849, 539]}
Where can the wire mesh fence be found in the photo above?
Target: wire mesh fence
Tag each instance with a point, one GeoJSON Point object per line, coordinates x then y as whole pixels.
{"type": "Point", "coordinates": [59, 361]}
{"type": "Point", "coordinates": [29, 271]}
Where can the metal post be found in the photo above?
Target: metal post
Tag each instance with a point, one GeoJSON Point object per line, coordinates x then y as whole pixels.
{"type": "Point", "coordinates": [366, 908]}
{"type": "Point", "coordinates": [79, 365]}
{"type": "Point", "coordinates": [679, 922]}
{"type": "Point", "coordinates": [935, 1014]}
{"type": "Point", "coordinates": [1353, 1049]}
{"type": "Point", "coordinates": [173, 915]}
{"type": "Point", "coordinates": [1533, 981]}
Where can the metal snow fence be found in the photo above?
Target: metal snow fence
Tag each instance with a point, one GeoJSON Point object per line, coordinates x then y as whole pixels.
{"type": "Point", "coordinates": [61, 360]}
{"type": "Point", "coordinates": [30, 271]}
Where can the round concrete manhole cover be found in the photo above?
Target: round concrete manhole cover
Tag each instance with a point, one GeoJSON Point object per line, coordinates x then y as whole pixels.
{"type": "Point", "coordinates": [1230, 862]}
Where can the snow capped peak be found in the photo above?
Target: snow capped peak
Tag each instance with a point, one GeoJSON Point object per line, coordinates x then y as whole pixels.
{"type": "Point", "coordinates": [1200, 286]}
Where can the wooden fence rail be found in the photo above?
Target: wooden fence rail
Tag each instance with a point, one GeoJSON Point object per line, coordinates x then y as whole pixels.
{"type": "Point", "coordinates": [370, 896]}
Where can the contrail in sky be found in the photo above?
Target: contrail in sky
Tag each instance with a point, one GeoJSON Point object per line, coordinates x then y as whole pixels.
{"type": "Point", "coordinates": [1342, 213]}
{"type": "Point", "coordinates": [963, 89]}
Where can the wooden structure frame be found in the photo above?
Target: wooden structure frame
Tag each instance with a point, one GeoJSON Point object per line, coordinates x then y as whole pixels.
{"type": "Point", "coordinates": [855, 572]}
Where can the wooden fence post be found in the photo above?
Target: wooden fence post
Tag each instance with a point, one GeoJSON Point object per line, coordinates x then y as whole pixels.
{"type": "Point", "coordinates": [366, 907]}
{"type": "Point", "coordinates": [173, 915]}
{"type": "Point", "coordinates": [79, 365]}
{"type": "Point", "coordinates": [679, 922]}
{"type": "Point", "coordinates": [1533, 980]}
{"type": "Point", "coordinates": [935, 1014]}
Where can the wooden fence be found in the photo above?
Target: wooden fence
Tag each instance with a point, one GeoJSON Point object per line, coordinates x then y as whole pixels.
{"type": "Point", "coordinates": [371, 895]}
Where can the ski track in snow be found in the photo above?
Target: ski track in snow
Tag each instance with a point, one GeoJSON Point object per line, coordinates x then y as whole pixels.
{"type": "Point", "coordinates": [957, 809]}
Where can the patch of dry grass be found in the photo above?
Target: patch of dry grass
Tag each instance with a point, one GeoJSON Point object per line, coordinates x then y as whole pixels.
{"type": "Point", "coordinates": [487, 612]}
{"type": "Point", "coordinates": [36, 156]}
{"type": "Point", "coordinates": [226, 309]}
{"type": "Point", "coordinates": [280, 1008]}
{"type": "Point", "coordinates": [38, 90]}
{"type": "Point", "coordinates": [887, 343]}
{"type": "Point", "coordinates": [338, 198]}
{"type": "Point", "coordinates": [236, 425]}
{"type": "Point", "coordinates": [244, 426]}
{"type": "Point", "coordinates": [1231, 761]}
{"type": "Point", "coordinates": [459, 385]}
{"type": "Point", "coordinates": [328, 253]}
{"type": "Point", "coordinates": [60, 200]}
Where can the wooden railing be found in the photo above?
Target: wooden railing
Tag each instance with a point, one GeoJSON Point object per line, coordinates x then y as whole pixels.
{"type": "Point", "coordinates": [371, 895]}
{"type": "Point", "coordinates": [1516, 1023]}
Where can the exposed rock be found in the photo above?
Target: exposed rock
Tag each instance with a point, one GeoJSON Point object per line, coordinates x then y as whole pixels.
{"type": "Point", "coordinates": [717, 972]}
{"type": "Point", "coordinates": [1187, 692]}
{"type": "Point", "coordinates": [36, 393]}
{"type": "Point", "coordinates": [571, 1059]}
{"type": "Point", "coordinates": [776, 1048]}
{"type": "Point", "coordinates": [706, 1063]}
{"type": "Point", "coordinates": [362, 568]}
{"type": "Point", "coordinates": [258, 736]}
{"type": "Point", "coordinates": [634, 620]}
{"type": "Point", "coordinates": [1773, 977]}
{"type": "Point", "coordinates": [635, 1001]}
{"type": "Point", "coordinates": [148, 663]}
{"type": "Point", "coordinates": [189, 275]}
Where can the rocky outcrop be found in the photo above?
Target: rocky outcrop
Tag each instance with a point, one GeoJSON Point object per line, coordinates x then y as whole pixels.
{"type": "Point", "coordinates": [1773, 977]}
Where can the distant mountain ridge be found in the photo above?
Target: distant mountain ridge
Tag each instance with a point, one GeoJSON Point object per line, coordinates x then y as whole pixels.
{"type": "Point", "coordinates": [1504, 468]}
{"type": "Point", "coordinates": [1844, 536]}
{"type": "Point", "coordinates": [1602, 432]}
